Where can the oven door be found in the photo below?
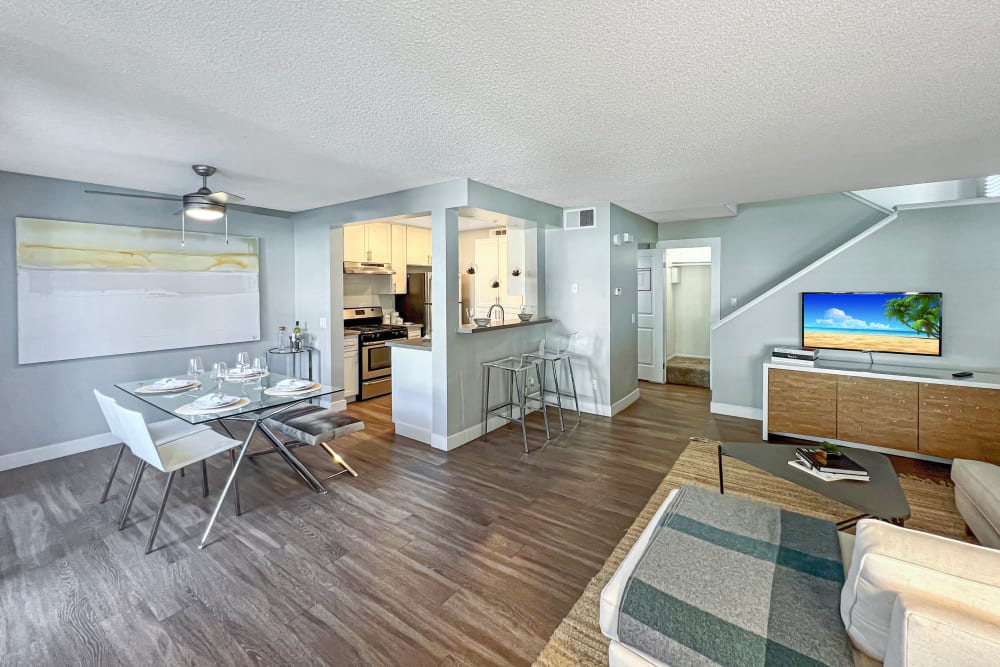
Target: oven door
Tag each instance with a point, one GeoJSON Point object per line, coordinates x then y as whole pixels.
{"type": "Point", "coordinates": [376, 361]}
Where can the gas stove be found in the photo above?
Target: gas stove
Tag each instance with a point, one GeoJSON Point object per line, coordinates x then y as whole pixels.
{"type": "Point", "coordinates": [368, 323]}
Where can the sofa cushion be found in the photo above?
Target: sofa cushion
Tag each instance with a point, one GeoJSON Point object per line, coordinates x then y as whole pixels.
{"type": "Point", "coordinates": [927, 634]}
{"type": "Point", "coordinates": [889, 561]}
{"type": "Point", "coordinates": [977, 492]}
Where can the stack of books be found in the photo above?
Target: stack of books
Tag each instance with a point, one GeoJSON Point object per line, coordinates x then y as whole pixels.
{"type": "Point", "coordinates": [830, 469]}
{"type": "Point", "coordinates": [795, 356]}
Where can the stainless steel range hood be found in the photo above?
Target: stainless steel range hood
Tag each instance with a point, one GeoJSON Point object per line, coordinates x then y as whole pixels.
{"type": "Point", "coordinates": [369, 268]}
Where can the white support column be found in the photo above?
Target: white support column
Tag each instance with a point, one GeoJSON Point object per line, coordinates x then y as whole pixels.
{"type": "Point", "coordinates": [445, 316]}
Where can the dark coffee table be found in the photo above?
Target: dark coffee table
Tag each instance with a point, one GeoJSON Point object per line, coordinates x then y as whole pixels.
{"type": "Point", "coordinates": [882, 497]}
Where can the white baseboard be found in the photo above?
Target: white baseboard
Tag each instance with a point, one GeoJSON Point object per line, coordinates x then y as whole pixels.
{"type": "Point", "coordinates": [618, 406]}
{"type": "Point", "coordinates": [57, 450]}
{"type": "Point", "coordinates": [418, 433]}
{"type": "Point", "coordinates": [744, 411]}
{"type": "Point", "coordinates": [456, 440]}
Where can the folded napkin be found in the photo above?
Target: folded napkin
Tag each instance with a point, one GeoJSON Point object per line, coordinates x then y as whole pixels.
{"type": "Point", "coordinates": [244, 372]}
{"type": "Point", "coordinates": [212, 401]}
{"type": "Point", "coordinates": [171, 383]}
{"type": "Point", "coordinates": [292, 384]}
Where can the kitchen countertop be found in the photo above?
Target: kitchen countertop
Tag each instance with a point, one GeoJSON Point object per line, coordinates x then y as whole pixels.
{"type": "Point", "coordinates": [410, 343]}
{"type": "Point", "coordinates": [508, 324]}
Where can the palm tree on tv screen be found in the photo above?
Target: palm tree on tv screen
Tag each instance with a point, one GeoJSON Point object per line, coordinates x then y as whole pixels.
{"type": "Point", "coordinates": [920, 312]}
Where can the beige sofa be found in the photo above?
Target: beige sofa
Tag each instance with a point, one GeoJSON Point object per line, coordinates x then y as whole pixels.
{"type": "Point", "coordinates": [977, 496]}
{"type": "Point", "coordinates": [910, 599]}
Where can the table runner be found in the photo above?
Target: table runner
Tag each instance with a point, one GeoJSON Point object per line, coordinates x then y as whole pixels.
{"type": "Point", "coordinates": [732, 582]}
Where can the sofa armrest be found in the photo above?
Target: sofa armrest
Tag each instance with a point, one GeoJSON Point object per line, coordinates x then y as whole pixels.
{"type": "Point", "coordinates": [925, 634]}
{"type": "Point", "coordinates": [889, 561]}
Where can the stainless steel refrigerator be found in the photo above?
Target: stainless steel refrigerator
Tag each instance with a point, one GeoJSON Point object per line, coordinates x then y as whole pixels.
{"type": "Point", "coordinates": [415, 305]}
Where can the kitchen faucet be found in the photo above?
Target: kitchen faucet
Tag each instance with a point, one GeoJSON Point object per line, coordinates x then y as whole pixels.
{"type": "Point", "coordinates": [489, 313]}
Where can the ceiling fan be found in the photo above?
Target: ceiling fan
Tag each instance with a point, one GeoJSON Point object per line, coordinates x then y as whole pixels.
{"type": "Point", "coordinates": [202, 205]}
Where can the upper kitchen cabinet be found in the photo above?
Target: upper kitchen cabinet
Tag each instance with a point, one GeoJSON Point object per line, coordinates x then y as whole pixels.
{"type": "Point", "coordinates": [418, 246]}
{"type": "Point", "coordinates": [355, 243]}
{"type": "Point", "coordinates": [398, 260]}
{"type": "Point", "coordinates": [371, 242]}
{"type": "Point", "coordinates": [493, 282]}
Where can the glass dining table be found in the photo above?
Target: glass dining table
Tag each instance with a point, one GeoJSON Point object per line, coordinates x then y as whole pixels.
{"type": "Point", "coordinates": [258, 401]}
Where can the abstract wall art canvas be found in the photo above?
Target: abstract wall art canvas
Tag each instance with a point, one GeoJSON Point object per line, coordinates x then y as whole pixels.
{"type": "Point", "coordinates": [92, 290]}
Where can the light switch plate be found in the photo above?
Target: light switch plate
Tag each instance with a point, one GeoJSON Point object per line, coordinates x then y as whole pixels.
{"type": "Point", "coordinates": [322, 323]}
{"type": "Point", "coordinates": [574, 288]}
{"type": "Point", "coordinates": [733, 301]}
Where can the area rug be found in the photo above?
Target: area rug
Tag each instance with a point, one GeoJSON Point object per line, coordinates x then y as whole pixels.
{"type": "Point", "coordinates": [578, 639]}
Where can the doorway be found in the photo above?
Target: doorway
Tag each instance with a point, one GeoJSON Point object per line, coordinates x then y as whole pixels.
{"type": "Point", "coordinates": [690, 306]}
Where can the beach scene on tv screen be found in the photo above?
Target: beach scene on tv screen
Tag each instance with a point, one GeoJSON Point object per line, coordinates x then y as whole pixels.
{"type": "Point", "coordinates": [887, 322]}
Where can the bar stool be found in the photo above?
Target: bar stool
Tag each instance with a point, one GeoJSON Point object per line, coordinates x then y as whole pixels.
{"type": "Point", "coordinates": [554, 361]}
{"type": "Point", "coordinates": [517, 369]}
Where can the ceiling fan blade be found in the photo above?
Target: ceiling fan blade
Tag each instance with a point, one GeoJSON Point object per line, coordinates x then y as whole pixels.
{"type": "Point", "coordinates": [123, 194]}
{"type": "Point", "coordinates": [223, 198]}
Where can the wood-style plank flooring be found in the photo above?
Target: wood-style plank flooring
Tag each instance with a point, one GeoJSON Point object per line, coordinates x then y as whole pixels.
{"type": "Point", "coordinates": [428, 558]}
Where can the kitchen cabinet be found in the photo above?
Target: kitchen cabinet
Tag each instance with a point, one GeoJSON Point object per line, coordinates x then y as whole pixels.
{"type": "Point", "coordinates": [398, 259]}
{"type": "Point", "coordinates": [418, 246]}
{"type": "Point", "coordinates": [351, 367]}
{"type": "Point", "coordinates": [492, 265]}
{"type": "Point", "coordinates": [370, 242]}
{"type": "Point", "coordinates": [355, 243]}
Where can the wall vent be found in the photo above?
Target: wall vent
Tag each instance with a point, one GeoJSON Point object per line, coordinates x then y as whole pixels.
{"type": "Point", "coordinates": [502, 231]}
{"type": "Point", "coordinates": [580, 218]}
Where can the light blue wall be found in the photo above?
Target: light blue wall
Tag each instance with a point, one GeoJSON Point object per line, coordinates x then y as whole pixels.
{"type": "Point", "coordinates": [951, 250]}
{"type": "Point", "coordinates": [623, 330]}
{"type": "Point", "coordinates": [43, 404]}
{"type": "Point", "coordinates": [767, 242]}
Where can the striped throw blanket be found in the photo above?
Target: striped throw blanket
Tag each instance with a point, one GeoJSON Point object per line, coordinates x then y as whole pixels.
{"type": "Point", "coordinates": [730, 582]}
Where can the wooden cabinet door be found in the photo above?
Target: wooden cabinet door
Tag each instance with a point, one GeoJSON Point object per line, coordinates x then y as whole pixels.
{"type": "Point", "coordinates": [802, 403]}
{"type": "Point", "coordinates": [418, 246]}
{"type": "Point", "coordinates": [877, 412]}
{"type": "Point", "coordinates": [960, 422]}
{"type": "Point", "coordinates": [379, 242]}
{"type": "Point", "coordinates": [354, 243]}
{"type": "Point", "coordinates": [399, 259]}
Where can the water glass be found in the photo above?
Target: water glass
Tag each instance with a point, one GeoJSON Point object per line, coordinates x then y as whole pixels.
{"type": "Point", "coordinates": [242, 361]}
{"type": "Point", "coordinates": [219, 371]}
{"type": "Point", "coordinates": [195, 368]}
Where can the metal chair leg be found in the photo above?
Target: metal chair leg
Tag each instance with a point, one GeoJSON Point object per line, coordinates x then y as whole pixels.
{"type": "Point", "coordinates": [131, 494]}
{"type": "Point", "coordinates": [236, 482]}
{"type": "Point", "coordinates": [204, 479]}
{"type": "Point", "coordinates": [159, 513]}
{"type": "Point", "coordinates": [486, 401]}
{"type": "Point", "coordinates": [555, 380]}
{"type": "Point", "coordinates": [114, 470]}
{"type": "Point", "coordinates": [541, 398]}
{"type": "Point", "coordinates": [572, 379]}
{"type": "Point", "coordinates": [339, 460]}
{"type": "Point", "coordinates": [521, 404]}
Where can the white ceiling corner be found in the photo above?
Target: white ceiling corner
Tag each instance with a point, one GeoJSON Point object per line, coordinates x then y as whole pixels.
{"type": "Point", "coordinates": [657, 107]}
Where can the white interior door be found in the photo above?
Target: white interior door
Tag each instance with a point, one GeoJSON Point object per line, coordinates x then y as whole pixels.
{"type": "Point", "coordinates": [652, 367]}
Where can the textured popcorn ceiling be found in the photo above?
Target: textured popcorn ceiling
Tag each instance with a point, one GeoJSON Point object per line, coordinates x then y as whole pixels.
{"type": "Point", "coordinates": [656, 106]}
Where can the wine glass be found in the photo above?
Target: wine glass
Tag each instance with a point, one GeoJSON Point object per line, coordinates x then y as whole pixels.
{"type": "Point", "coordinates": [195, 367]}
{"type": "Point", "coordinates": [242, 361]}
{"type": "Point", "coordinates": [219, 371]}
{"type": "Point", "coordinates": [260, 368]}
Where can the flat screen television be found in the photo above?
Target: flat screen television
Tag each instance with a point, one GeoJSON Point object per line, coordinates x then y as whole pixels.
{"type": "Point", "coordinates": [898, 322]}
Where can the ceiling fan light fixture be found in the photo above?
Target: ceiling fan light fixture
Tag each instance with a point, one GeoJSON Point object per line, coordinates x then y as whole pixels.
{"type": "Point", "coordinates": [204, 212]}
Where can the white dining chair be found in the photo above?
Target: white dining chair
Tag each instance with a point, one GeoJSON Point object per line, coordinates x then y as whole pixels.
{"type": "Point", "coordinates": [168, 456]}
{"type": "Point", "coordinates": [161, 432]}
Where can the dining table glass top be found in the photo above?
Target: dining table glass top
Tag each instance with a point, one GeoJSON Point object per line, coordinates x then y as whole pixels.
{"type": "Point", "coordinates": [254, 390]}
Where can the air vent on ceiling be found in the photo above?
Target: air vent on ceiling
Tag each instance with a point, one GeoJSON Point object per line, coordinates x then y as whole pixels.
{"type": "Point", "coordinates": [580, 218]}
{"type": "Point", "coordinates": [502, 231]}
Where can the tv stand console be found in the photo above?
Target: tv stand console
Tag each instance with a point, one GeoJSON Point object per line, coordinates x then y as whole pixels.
{"type": "Point", "coordinates": [911, 411]}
